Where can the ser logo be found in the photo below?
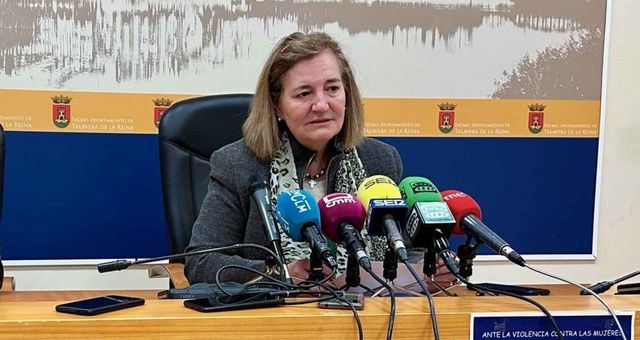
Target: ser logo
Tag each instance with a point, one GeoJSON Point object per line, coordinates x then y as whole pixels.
{"type": "Point", "coordinates": [378, 180]}
{"type": "Point", "coordinates": [388, 202]}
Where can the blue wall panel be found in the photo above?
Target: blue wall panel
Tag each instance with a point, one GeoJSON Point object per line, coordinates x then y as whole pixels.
{"type": "Point", "coordinates": [82, 196]}
{"type": "Point", "coordinates": [91, 196]}
{"type": "Point", "coordinates": [537, 193]}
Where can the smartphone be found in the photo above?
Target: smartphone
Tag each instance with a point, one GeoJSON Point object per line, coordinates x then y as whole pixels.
{"type": "Point", "coordinates": [221, 302]}
{"type": "Point", "coordinates": [628, 288]}
{"type": "Point", "coordinates": [356, 299]}
{"type": "Point", "coordinates": [99, 305]}
{"type": "Point", "coordinates": [520, 290]}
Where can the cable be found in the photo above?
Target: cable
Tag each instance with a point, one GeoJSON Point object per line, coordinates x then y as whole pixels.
{"type": "Point", "coordinates": [613, 315]}
{"type": "Point", "coordinates": [444, 290]}
{"type": "Point", "coordinates": [353, 310]}
{"type": "Point", "coordinates": [392, 296]}
{"type": "Point", "coordinates": [305, 284]}
{"type": "Point", "coordinates": [425, 290]}
{"type": "Point", "coordinates": [329, 277]}
{"type": "Point", "coordinates": [230, 266]}
{"type": "Point", "coordinates": [520, 297]}
{"type": "Point", "coordinates": [448, 257]}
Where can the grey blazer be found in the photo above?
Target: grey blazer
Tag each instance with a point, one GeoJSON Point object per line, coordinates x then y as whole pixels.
{"type": "Point", "coordinates": [228, 215]}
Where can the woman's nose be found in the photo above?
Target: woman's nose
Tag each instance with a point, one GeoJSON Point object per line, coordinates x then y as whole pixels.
{"type": "Point", "coordinates": [320, 103]}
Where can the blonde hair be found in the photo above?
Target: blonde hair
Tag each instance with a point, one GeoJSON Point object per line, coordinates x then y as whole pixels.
{"type": "Point", "coordinates": [260, 130]}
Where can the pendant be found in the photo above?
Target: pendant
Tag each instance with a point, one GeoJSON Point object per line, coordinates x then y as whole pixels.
{"type": "Point", "coordinates": [312, 183]}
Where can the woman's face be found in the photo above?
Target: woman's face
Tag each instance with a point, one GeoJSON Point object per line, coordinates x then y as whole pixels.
{"type": "Point", "coordinates": [312, 102]}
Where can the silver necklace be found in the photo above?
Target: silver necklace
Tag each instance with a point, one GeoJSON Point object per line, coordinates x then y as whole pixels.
{"type": "Point", "coordinates": [313, 179]}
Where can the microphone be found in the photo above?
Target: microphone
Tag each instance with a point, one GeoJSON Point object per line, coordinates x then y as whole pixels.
{"type": "Point", "coordinates": [468, 217]}
{"type": "Point", "coordinates": [299, 215]}
{"type": "Point", "coordinates": [604, 286]}
{"type": "Point", "coordinates": [260, 197]}
{"type": "Point", "coordinates": [429, 223]}
{"type": "Point", "coordinates": [386, 211]}
{"type": "Point", "coordinates": [124, 264]}
{"type": "Point", "coordinates": [428, 215]}
{"type": "Point", "coordinates": [342, 219]}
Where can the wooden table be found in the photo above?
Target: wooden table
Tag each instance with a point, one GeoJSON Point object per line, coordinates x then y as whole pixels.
{"type": "Point", "coordinates": [32, 314]}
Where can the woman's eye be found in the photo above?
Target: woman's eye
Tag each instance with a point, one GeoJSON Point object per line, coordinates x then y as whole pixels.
{"type": "Point", "coordinates": [334, 88]}
{"type": "Point", "coordinates": [303, 94]}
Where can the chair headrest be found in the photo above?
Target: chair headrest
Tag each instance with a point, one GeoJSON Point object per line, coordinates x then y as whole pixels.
{"type": "Point", "coordinates": [198, 124]}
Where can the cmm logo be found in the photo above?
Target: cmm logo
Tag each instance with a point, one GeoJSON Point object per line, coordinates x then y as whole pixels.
{"type": "Point", "coordinates": [61, 111]}
{"type": "Point", "coordinates": [161, 105]}
{"type": "Point", "coordinates": [536, 118]}
{"type": "Point", "coordinates": [446, 117]}
{"type": "Point", "coordinates": [337, 199]}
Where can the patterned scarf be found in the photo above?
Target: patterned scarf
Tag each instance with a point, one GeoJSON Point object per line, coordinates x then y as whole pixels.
{"type": "Point", "coordinates": [284, 177]}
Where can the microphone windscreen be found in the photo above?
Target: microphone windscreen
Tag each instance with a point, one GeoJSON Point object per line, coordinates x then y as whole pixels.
{"type": "Point", "coordinates": [418, 189]}
{"type": "Point", "coordinates": [296, 209]}
{"type": "Point", "coordinates": [339, 208]}
{"type": "Point", "coordinates": [377, 186]}
{"type": "Point", "coordinates": [461, 205]}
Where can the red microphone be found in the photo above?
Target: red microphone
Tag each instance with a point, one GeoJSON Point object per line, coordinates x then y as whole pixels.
{"type": "Point", "coordinates": [461, 205]}
{"type": "Point", "coordinates": [342, 217]}
{"type": "Point", "coordinates": [468, 214]}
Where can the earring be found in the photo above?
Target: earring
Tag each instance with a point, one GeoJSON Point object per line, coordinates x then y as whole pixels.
{"type": "Point", "coordinates": [278, 119]}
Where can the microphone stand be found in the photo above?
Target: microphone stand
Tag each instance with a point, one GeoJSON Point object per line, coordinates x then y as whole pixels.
{"type": "Point", "coordinates": [315, 268]}
{"type": "Point", "coordinates": [390, 265]}
{"type": "Point", "coordinates": [466, 253]}
{"type": "Point", "coordinates": [352, 278]}
{"type": "Point", "coordinates": [277, 249]}
{"type": "Point", "coordinates": [389, 268]}
{"type": "Point", "coordinates": [430, 257]}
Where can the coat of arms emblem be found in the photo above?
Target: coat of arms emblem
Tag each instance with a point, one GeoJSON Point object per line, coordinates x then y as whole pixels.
{"type": "Point", "coordinates": [536, 118]}
{"type": "Point", "coordinates": [446, 117]}
{"type": "Point", "coordinates": [161, 104]}
{"type": "Point", "coordinates": [61, 111]}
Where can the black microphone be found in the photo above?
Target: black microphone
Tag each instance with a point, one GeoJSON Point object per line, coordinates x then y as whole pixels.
{"type": "Point", "coordinates": [604, 286]}
{"type": "Point", "coordinates": [260, 197]}
{"type": "Point", "coordinates": [115, 265]}
{"type": "Point", "coordinates": [124, 264]}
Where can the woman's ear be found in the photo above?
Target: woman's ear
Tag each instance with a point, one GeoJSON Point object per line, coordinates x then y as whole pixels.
{"type": "Point", "coordinates": [276, 106]}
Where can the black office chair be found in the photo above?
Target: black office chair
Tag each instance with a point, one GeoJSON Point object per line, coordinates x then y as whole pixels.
{"type": "Point", "coordinates": [190, 131]}
{"type": "Point", "coordinates": [2, 148]}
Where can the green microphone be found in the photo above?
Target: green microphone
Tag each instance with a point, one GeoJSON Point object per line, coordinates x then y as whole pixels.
{"type": "Point", "coordinates": [428, 214]}
{"type": "Point", "coordinates": [430, 222]}
{"type": "Point", "coordinates": [418, 189]}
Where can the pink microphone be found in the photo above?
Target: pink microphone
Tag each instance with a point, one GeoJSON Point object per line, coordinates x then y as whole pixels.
{"type": "Point", "coordinates": [342, 217]}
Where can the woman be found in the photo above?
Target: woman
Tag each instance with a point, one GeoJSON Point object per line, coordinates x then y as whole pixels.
{"type": "Point", "coordinates": [304, 130]}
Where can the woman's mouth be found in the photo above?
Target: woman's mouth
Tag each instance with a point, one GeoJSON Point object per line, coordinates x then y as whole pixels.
{"type": "Point", "coordinates": [319, 121]}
